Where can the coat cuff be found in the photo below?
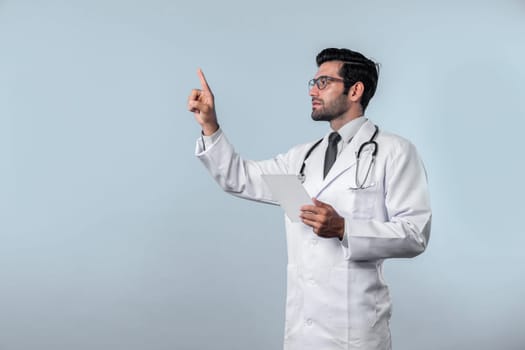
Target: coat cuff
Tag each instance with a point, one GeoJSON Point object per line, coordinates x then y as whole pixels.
{"type": "Point", "coordinates": [204, 142]}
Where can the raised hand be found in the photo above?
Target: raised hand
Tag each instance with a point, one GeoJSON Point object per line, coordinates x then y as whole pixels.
{"type": "Point", "coordinates": [202, 103]}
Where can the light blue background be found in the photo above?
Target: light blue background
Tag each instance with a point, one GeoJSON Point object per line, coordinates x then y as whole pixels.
{"type": "Point", "coordinates": [112, 234]}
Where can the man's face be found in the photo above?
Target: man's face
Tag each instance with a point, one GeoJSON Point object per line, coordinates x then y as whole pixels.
{"type": "Point", "coordinates": [329, 102]}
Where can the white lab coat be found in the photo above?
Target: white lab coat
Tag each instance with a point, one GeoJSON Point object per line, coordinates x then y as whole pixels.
{"type": "Point", "coordinates": [336, 294]}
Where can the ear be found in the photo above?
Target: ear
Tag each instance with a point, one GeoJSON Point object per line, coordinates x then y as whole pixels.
{"type": "Point", "coordinates": [356, 92]}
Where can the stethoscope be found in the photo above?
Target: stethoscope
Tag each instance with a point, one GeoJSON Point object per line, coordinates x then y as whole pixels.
{"type": "Point", "coordinates": [358, 185]}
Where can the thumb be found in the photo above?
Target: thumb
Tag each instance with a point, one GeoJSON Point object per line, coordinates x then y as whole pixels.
{"type": "Point", "coordinates": [318, 203]}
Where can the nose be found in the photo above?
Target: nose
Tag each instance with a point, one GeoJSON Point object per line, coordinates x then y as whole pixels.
{"type": "Point", "coordinates": [314, 91]}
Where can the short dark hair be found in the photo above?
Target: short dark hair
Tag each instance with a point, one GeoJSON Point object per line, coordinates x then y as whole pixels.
{"type": "Point", "coordinates": [356, 68]}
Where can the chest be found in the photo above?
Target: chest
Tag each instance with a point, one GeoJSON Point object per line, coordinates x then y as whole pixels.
{"type": "Point", "coordinates": [355, 188]}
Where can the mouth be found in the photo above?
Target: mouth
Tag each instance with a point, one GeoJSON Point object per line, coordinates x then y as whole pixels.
{"type": "Point", "coordinates": [316, 103]}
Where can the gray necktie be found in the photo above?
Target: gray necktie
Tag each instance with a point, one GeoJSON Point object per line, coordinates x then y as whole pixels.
{"type": "Point", "coordinates": [331, 151]}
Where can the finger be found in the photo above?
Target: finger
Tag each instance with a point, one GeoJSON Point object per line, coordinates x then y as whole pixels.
{"type": "Point", "coordinates": [309, 208]}
{"type": "Point", "coordinates": [310, 216]}
{"type": "Point", "coordinates": [192, 108]}
{"type": "Point", "coordinates": [204, 83]}
{"type": "Point", "coordinates": [316, 228]}
{"type": "Point", "coordinates": [196, 106]}
{"type": "Point", "coordinates": [195, 94]}
{"type": "Point", "coordinates": [319, 212]}
{"type": "Point", "coordinates": [310, 223]}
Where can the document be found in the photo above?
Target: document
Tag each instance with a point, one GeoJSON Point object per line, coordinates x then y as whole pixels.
{"type": "Point", "coordinates": [289, 192]}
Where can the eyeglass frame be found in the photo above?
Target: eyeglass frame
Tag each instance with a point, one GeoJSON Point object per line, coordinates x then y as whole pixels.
{"type": "Point", "coordinates": [317, 81]}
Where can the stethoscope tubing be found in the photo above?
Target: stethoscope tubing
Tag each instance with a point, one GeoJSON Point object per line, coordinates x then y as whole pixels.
{"type": "Point", "coordinates": [301, 176]}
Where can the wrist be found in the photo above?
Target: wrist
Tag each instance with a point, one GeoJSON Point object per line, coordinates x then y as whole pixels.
{"type": "Point", "coordinates": [209, 129]}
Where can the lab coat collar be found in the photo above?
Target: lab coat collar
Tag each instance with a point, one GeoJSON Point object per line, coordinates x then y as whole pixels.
{"type": "Point", "coordinates": [350, 129]}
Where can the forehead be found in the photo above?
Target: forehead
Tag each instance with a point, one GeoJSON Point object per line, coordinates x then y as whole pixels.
{"type": "Point", "coordinates": [330, 68]}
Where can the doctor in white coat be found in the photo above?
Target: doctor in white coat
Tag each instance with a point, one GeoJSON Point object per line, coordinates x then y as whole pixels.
{"type": "Point", "coordinates": [368, 205]}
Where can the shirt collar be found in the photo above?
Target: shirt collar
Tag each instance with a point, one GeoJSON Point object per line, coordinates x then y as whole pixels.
{"type": "Point", "coordinates": [351, 128]}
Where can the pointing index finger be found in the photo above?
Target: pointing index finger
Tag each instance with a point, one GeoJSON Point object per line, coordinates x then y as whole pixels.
{"type": "Point", "coordinates": [204, 83]}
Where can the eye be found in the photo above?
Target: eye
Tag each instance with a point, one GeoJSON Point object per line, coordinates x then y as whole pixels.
{"type": "Point", "coordinates": [322, 81]}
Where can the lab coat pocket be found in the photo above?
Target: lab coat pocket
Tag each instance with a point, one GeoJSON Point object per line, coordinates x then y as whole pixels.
{"type": "Point", "coordinates": [360, 203]}
{"type": "Point", "coordinates": [353, 300]}
{"type": "Point", "coordinates": [294, 301]}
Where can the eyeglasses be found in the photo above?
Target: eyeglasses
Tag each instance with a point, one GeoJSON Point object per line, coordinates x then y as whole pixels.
{"type": "Point", "coordinates": [322, 81]}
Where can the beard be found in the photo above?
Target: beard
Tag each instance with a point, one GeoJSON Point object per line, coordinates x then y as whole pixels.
{"type": "Point", "coordinates": [331, 110]}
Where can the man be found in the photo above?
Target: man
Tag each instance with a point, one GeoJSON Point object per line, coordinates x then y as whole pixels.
{"type": "Point", "coordinates": [366, 207]}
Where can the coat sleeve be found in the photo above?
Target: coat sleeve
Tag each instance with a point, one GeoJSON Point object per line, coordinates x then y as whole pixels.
{"type": "Point", "coordinates": [237, 176]}
{"type": "Point", "coordinates": [406, 231]}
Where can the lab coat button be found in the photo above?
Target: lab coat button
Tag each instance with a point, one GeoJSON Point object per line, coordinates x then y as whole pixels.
{"type": "Point", "coordinates": [312, 281]}
{"type": "Point", "coordinates": [309, 322]}
{"type": "Point", "coordinates": [313, 241]}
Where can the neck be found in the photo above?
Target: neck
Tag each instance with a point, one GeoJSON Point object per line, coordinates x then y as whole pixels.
{"type": "Point", "coordinates": [337, 123]}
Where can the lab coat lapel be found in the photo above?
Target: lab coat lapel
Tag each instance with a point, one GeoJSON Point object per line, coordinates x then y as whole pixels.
{"type": "Point", "coordinates": [347, 159]}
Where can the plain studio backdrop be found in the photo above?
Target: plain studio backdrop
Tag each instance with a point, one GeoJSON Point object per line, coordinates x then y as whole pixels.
{"type": "Point", "coordinates": [112, 234]}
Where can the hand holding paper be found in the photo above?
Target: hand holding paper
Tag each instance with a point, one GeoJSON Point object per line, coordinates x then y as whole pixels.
{"type": "Point", "coordinates": [324, 220]}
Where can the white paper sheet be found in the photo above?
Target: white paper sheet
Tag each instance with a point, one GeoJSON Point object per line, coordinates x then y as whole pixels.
{"type": "Point", "coordinates": [289, 192]}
